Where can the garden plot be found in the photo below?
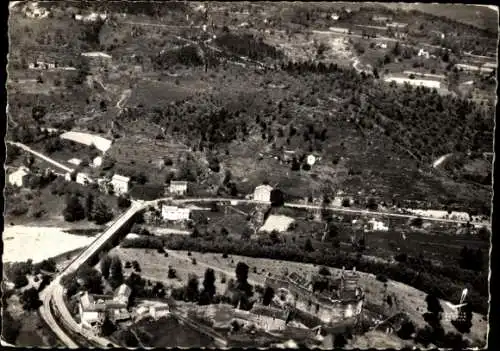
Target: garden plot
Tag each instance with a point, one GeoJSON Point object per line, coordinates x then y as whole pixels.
{"type": "Point", "coordinates": [88, 139]}
{"type": "Point", "coordinates": [279, 223]}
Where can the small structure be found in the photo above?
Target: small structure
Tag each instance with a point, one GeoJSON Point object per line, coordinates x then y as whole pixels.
{"type": "Point", "coordinates": [374, 225]}
{"type": "Point", "coordinates": [263, 193]}
{"type": "Point", "coordinates": [288, 155]}
{"type": "Point", "coordinates": [381, 45]}
{"type": "Point", "coordinates": [75, 161]}
{"type": "Point", "coordinates": [424, 53]}
{"type": "Point", "coordinates": [19, 177]}
{"type": "Point", "coordinates": [83, 178]}
{"type": "Point", "coordinates": [396, 25]}
{"type": "Point", "coordinates": [174, 213]}
{"type": "Point", "coordinates": [335, 17]}
{"type": "Point", "coordinates": [122, 294]}
{"type": "Point", "coordinates": [120, 184]}
{"type": "Point", "coordinates": [97, 162]}
{"type": "Point", "coordinates": [311, 160]}
{"type": "Point", "coordinates": [178, 187]}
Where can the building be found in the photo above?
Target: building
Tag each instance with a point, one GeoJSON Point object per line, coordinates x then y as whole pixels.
{"type": "Point", "coordinates": [120, 184]}
{"type": "Point", "coordinates": [174, 213]}
{"type": "Point", "coordinates": [263, 193]}
{"type": "Point", "coordinates": [335, 17]}
{"type": "Point", "coordinates": [288, 155]}
{"type": "Point", "coordinates": [92, 313]}
{"type": "Point", "coordinates": [396, 25]}
{"type": "Point", "coordinates": [343, 303]}
{"type": "Point", "coordinates": [424, 53]}
{"type": "Point", "coordinates": [122, 293]}
{"type": "Point", "coordinates": [381, 19]}
{"type": "Point", "coordinates": [83, 178]}
{"type": "Point", "coordinates": [374, 225]}
{"type": "Point", "coordinates": [178, 187]}
{"type": "Point", "coordinates": [97, 162]}
{"type": "Point", "coordinates": [19, 177]}
{"type": "Point", "coordinates": [94, 309]}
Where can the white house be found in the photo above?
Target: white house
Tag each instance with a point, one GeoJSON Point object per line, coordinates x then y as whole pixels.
{"type": "Point", "coordinates": [174, 213]}
{"type": "Point", "coordinates": [97, 162]}
{"type": "Point", "coordinates": [335, 17]}
{"type": "Point", "coordinates": [120, 184]}
{"type": "Point", "coordinates": [424, 53]}
{"type": "Point", "coordinates": [83, 178]}
{"type": "Point", "coordinates": [18, 178]}
{"type": "Point", "coordinates": [263, 193]}
{"type": "Point", "coordinates": [178, 187]}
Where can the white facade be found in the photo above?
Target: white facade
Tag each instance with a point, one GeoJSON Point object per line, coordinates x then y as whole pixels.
{"type": "Point", "coordinates": [120, 184]}
{"type": "Point", "coordinates": [97, 162]}
{"type": "Point", "coordinates": [263, 193]}
{"type": "Point", "coordinates": [374, 225]}
{"type": "Point", "coordinates": [18, 178]}
{"type": "Point", "coordinates": [178, 187]}
{"type": "Point", "coordinates": [174, 213]}
{"type": "Point", "coordinates": [424, 53]}
{"type": "Point", "coordinates": [75, 161]}
{"type": "Point", "coordinates": [83, 178]}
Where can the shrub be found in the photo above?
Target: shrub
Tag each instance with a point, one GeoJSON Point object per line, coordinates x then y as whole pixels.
{"type": "Point", "coordinates": [224, 255]}
{"type": "Point", "coordinates": [382, 278]}
{"type": "Point", "coordinates": [193, 260]}
{"type": "Point", "coordinates": [171, 273]}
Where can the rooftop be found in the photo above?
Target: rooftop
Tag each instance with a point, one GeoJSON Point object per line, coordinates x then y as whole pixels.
{"type": "Point", "coordinates": [120, 178]}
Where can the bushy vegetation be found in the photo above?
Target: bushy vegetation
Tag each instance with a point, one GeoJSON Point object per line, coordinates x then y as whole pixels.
{"type": "Point", "coordinates": [249, 46]}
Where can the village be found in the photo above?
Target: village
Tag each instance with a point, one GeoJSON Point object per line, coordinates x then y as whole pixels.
{"type": "Point", "coordinates": [246, 175]}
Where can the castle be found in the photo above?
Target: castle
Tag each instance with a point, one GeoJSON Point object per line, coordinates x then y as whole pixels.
{"type": "Point", "coordinates": [344, 301]}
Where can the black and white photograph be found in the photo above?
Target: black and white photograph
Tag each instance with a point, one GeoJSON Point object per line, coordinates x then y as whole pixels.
{"type": "Point", "coordinates": [248, 174]}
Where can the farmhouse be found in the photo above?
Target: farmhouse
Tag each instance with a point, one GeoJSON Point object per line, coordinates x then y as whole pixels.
{"type": "Point", "coordinates": [263, 193]}
{"type": "Point", "coordinates": [120, 184]}
{"type": "Point", "coordinates": [178, 187]}
{"type": "Point", "coordinates": [174, 213]}
{"type": "Point", "coordinates": [19, 177]}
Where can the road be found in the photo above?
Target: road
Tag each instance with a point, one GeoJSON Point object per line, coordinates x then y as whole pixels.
{"type": "Point", "coordinates": [43, 157]}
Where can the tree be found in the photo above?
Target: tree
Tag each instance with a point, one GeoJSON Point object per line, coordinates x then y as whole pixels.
{"type": "Point", "coordinates": [107, 327]}
{"type": "Point", "coordinates": [91, 279]}
{"type": "Point", "coordinates": [324, 271]}
{"type": "Point", "coordinates": [308, 246]}
{"type": "Point", "coordinates": [208, 291]}
{"type": "Point", "coordinates": [192, 292]}
{"type": "Point", "coordinates": [89, 204]}
{"type": "Point", "coordinates": [339, 341]}
{"type": "Point", "coordinates": [406, 331]}
{"type": "Point", "coordinates": [123, 202]}
{"type": "Point", "coordinates": [115, 272]}
{"type": "Point", "coordinates": [268, 296]}
{"type": "Point", "coordinates": [20, 281]}
{"type": "Point", "coordinates": [74, 210]}
{"type": "Point", "coordinates": [105, 266]}
{"type": "Point", "coordinates": [38, 112]}
{"type": "Point", "coordinates": [372, 204]}
{"type": "Point", "coordinates": [30, 299]}
{"type": "Point", "coordinates": [10, 327]}
{"type": "Point", "coordinates": [101, 213]}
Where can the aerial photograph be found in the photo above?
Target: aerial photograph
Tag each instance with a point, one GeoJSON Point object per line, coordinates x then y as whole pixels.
{"type": "Point", "coordinates": [207, 174]}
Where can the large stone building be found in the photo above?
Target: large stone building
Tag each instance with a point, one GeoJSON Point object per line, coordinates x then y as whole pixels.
{"type": "Point", "coordinates": [344, 303]}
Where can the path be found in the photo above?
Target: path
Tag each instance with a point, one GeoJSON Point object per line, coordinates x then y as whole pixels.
{"type": "Point", "coordinates": [43, 157]}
